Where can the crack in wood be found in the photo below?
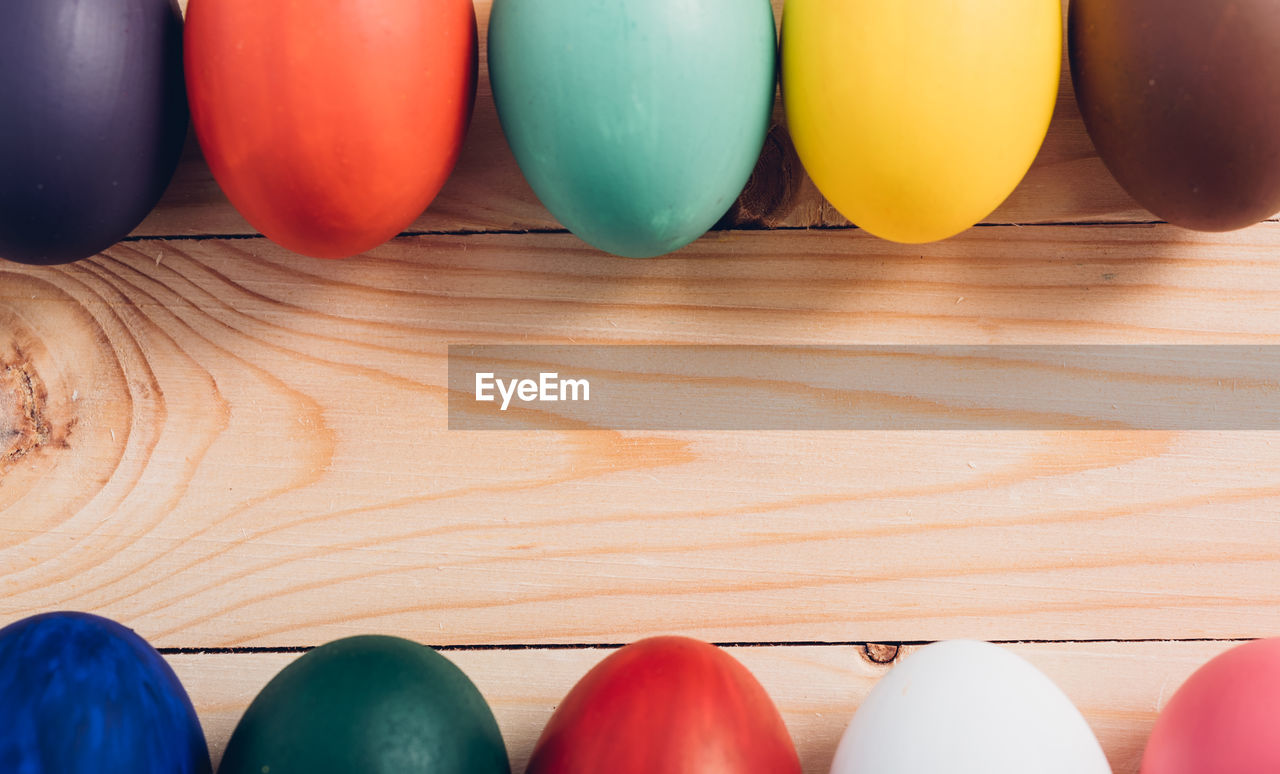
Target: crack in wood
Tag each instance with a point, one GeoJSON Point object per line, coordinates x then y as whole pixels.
{"type": "Point", "coordinates": [30, 430]}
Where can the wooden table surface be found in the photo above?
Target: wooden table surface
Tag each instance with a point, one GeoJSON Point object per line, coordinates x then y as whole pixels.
{"type": "Point", "coordinates": [242, 453]}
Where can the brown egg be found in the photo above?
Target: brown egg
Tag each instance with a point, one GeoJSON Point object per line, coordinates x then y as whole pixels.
{"type": "Point", "coordinates": [1182, 99]}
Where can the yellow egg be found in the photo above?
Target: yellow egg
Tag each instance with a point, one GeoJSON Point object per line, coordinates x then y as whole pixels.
{"type": "Point", "coordinates": [917, 118]}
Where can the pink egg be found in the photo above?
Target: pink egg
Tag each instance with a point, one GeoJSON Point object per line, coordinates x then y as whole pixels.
{"type": "Point", "coordinates": [1225, 719]}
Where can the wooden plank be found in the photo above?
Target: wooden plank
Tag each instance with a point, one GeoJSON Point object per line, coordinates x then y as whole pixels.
{"type": "Point", "coordinates": [1068, 183]}
{"type": "Point", "coordinates": [1119, 687]}
{"type": "Point", "coordinates": [232, 445]}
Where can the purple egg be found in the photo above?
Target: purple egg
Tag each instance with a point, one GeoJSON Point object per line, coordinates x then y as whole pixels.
{"type": "Point", "coordinates": [93, 115]}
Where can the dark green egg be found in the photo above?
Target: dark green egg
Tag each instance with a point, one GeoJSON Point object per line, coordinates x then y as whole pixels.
{"type": "Point", "coordinates": [368, 705]}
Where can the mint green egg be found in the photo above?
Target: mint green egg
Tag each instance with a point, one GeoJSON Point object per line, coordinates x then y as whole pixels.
{"type": "Point", "coordinates": [636, 122]}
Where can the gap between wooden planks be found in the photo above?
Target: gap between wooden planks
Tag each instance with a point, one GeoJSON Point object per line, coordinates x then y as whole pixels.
{"type": "Point", "coordinates": [1118, 686]}
{"type": "Point", "coordinates": [245, 447]}
{"type": "Point", "coordinates": [1067, 184]}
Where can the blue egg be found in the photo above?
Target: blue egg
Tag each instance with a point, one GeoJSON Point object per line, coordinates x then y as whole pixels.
{"type": "Point", "coordinates": [81, 694]}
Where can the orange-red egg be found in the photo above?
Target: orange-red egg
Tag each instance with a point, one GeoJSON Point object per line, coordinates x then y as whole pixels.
{"type": "Point", "coordinates": [331, 126]}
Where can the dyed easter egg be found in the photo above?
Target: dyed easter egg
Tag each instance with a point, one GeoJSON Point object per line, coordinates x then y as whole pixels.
{"type": "Point", "coordinates": [1223, 719]}
{"type": "Point", "coordinates": [968, 707]}
{"type": "Point", "coordinates": [373, 705]}
{"type": "Point", "coordinates": [83, 695]}
{"type": "Point", "coordinates": [1182, 100]}
{"type": "Point", "coordinates": [92, 120]}
{"type": "Point", "coordinates": [331, 126]}
{"type": "Point", "coordinates": [917, 119]}
{"type": "Point", "coordinates": [636, 122]}
{"type": "Point", "coordinates": [667, 704]}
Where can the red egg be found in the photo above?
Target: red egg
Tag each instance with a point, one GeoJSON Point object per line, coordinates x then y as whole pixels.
{"type": "Point", "coordinates": [331, 126]}
{"type": "Point", "coordinates": [1225, 719]}
{"type": "Point", "coordinates": [667, 704]}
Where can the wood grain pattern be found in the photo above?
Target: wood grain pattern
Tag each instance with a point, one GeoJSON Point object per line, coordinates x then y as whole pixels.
{"type": "Point", "coordinates": [222, 444]}
{"type": "Point", "coordinates": [1067, 184]}
{"type": "Point", "coordinates": [245, 447]}
{"type": "Point", "coordinates": [1119, 688]}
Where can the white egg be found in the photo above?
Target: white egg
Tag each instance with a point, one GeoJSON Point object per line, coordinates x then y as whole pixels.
{"type": "Point", "coordinates": [965, 707]}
